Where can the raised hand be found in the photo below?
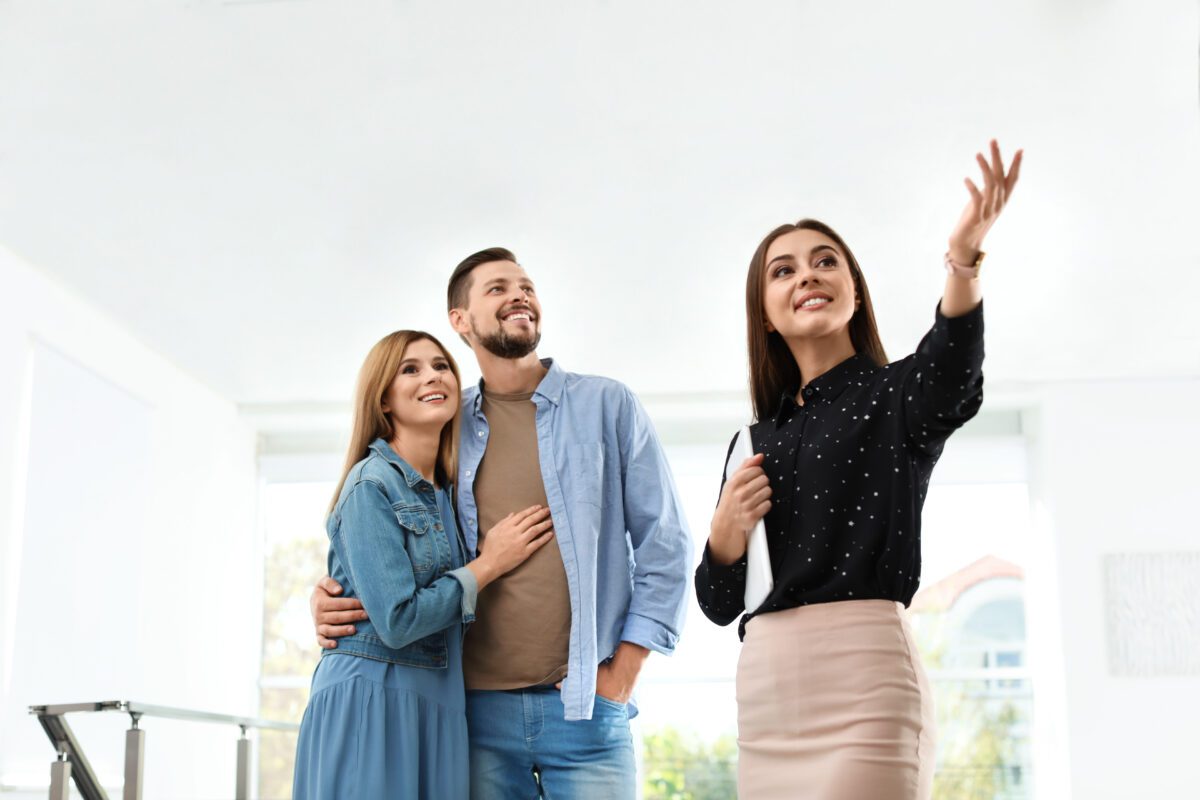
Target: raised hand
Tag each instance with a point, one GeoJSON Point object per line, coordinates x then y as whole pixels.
{"type": "Point", "coordinates": [985, 204]}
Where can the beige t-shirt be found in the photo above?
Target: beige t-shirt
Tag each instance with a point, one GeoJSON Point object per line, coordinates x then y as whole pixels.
{"type": "Point", "coordinates": [521, 633]}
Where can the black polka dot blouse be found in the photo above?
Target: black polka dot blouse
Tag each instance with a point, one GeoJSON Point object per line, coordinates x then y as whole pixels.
{"type": "Point", "coordinates": [849, 470]}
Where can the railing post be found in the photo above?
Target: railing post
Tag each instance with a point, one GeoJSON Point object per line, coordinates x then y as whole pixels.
{"type": "Point", "coordinates": [72, 764]}
{"type": "Point", "coordinates": [242, 791]}
{"type": "Point", "coordinates": [60, 778]}
{"type": "Point", "coordinates": [135, 759]}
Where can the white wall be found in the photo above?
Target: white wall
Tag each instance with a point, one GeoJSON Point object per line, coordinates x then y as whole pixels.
{"type": "Point", "coordinates": [1114, 470]}
{"type": "Point", "coordinates": [158, 601]}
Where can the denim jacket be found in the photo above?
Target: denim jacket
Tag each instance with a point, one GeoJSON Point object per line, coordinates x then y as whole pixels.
{"type": "Point", "coordinates": [390, 547]}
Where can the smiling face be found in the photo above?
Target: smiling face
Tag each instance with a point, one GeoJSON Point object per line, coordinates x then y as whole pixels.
{"type": "Point", "coordinates": [502, 313]}
{"type": "Point", "coordinates": [808, 289]}
{"type": "Point", "coordinates": [424, 391]}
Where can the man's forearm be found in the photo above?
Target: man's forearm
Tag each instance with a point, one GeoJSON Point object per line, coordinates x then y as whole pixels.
{"type": "Point", "coordinates": [628, 660]}
{"type": "Point", "coordinates": [616, 678]}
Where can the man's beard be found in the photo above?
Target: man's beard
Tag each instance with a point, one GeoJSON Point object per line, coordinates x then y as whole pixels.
{"type": "Point", "coordinates": [505, 345]}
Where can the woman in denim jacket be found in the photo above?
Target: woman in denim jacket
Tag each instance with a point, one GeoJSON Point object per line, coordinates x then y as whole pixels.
{"type": "Point", "coordinates": [386, 717]}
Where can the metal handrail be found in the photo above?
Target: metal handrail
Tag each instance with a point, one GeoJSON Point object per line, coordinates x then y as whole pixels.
{"type": "Point", "coordinates": [72, 764]}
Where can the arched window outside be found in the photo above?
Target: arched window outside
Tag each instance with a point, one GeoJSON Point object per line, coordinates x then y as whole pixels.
{"type": "Point", "coordinates": [971, 628]}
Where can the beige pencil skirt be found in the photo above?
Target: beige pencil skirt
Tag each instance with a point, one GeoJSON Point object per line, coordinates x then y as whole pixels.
{"type": "Point", "coordinates": [833, 704]}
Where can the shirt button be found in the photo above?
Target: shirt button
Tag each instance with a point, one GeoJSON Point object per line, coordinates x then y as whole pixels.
{"type": "Point", "coordinates": [808, 392]}
{"type": "Point", "coordinates": [468, 473]}
{"type": "Point", "coordinates": [472, 522]}
{"type": "Point", "coordinates": [479, 433]}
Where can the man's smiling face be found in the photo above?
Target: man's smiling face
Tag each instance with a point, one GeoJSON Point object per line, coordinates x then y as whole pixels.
{"type": "Point", "coordinates": [503, 313]}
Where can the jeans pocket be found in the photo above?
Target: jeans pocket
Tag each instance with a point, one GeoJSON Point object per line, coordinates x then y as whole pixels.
{"type": "Point", "coordinates": [613, 705]}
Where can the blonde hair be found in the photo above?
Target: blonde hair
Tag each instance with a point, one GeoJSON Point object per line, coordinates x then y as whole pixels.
{"type": "Point", "coordinates": [371, 422]}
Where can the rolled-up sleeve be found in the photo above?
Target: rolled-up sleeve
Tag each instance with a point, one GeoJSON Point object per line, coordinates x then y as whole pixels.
{"type": "Point", "coordinates": [658, 532]}
{"type": "Point", "coordinates": [470, 588]}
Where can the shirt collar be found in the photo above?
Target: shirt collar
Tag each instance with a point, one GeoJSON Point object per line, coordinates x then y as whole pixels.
{"type": "Point", "coordinates": [552, 383]}
{"type": "Point", "coordinates": [550, 387]}
{"type": "Point", "coordinates": [825, 387]}
{"type": "Point", "coordinates": [411, 476]}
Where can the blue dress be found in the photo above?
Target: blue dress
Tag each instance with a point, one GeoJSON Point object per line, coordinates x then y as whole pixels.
{"type": "Point", "coordinates": [374, 729]}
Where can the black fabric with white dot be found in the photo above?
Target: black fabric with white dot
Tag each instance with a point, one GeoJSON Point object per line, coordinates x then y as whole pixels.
{"type": "Point", "coordinates": [849, 469]}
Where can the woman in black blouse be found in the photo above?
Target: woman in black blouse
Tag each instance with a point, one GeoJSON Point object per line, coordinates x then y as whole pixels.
{"type": "Point", "coordinates": [832, 699]}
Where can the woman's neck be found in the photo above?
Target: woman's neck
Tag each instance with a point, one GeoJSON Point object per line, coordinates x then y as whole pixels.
{"type": "Point", "coordinates": [816, 356]}
{"type": "Point", "coordinates": [419, 447]}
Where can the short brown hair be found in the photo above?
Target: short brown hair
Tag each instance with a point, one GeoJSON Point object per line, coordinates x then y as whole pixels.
{"type": "Point", "coordinates": [773, 368]}
{"type": "Point", "coordinates": [457, 291]}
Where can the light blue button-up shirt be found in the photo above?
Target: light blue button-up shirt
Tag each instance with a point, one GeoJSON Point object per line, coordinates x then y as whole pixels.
{"type": "Point", "coordinates": [620, 526]}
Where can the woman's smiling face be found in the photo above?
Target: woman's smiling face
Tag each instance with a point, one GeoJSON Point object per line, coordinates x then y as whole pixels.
{"type": "Point", "coordinates": [808, 289]}
{"type": "Point", "coordinates": [424, 390]}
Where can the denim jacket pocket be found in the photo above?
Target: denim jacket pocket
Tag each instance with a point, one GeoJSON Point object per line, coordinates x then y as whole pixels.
{"type": "Point", "coordinates": [431, 651]}
{"type": "Point", "coordinates": [420, 546]}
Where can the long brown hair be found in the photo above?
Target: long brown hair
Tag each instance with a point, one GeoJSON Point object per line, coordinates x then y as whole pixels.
{"type": "Point", "coordinates": [773, 369]}
{"type": "Point", "coordinates": [370, 420]}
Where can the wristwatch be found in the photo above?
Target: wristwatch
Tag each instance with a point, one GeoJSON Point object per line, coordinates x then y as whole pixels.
{"type": "Point", "coordinates": [962, 270]}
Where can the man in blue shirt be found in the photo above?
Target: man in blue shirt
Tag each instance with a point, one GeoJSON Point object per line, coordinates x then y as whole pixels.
{"type": "Point", "coordinates": [553, 657]}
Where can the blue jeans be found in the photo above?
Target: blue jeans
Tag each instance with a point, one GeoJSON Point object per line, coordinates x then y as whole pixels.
{"type": "Point", "coordinates": [522, 748]}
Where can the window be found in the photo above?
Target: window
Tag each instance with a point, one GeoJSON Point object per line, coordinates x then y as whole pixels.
{"type": "Point", "coordinates": [969, 619]}
{"type": "Point", "coordinates": [687, 726]}
{"type": "Point", "coordinates": [293, 514]}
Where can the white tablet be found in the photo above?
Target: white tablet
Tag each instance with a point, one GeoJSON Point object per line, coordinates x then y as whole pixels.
{"type": "Point", "coordinates": [759, 578]}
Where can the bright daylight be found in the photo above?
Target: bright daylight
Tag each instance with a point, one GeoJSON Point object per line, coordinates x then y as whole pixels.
{"type": "Point", "coordinates": [599, 400]}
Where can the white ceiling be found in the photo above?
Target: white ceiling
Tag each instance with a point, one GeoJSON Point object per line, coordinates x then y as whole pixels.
{"type": "Point", "coordinates": [259, 190]}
